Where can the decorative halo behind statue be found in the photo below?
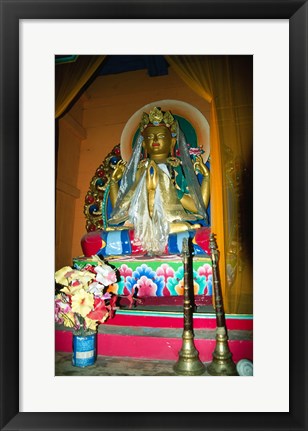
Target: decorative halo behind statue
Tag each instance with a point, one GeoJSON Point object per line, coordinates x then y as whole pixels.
{"type": "Point", "coordinates": [177, 108]}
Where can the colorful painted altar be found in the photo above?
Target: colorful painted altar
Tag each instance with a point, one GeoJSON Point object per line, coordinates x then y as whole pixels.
{"type": "Point", "coordinates": [155, 277]}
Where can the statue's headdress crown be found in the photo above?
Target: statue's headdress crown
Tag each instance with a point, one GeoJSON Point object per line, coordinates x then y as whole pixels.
{"type": "Point", "coordinates": [157, 117]}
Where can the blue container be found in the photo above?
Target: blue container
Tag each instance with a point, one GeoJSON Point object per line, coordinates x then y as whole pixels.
{"type": "Point", "coordinates": [84, 350]}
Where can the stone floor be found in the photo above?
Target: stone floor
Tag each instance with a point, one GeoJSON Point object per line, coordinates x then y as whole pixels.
{"type": "Point", "coordinates": [114, 366]}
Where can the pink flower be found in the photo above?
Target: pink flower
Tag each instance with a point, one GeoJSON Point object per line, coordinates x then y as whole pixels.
{"type": "Point", "coordinates": [62, 303]}
{"type": "Point", "coordinates": [196, 151]}
{"type": "Point", "coordinates": [58, 314]}
{"type": "Point", "coordinates": [100, 311]}
{"type": "Point", "coordinates": [105, 275]}
{"type": "Point", "coordinates": [77, 322]}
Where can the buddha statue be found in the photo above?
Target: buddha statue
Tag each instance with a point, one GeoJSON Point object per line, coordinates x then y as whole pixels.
{"type": "Point", "coordinates": [161, 190]}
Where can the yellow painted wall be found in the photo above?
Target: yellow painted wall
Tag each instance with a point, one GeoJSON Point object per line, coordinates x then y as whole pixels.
{"type": "Point", "coordinates": [71, 133]}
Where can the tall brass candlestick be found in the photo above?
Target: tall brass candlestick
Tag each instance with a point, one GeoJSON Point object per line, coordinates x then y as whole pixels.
{"type": "Point", "coordinates": [222, 364]}
{"type": "Point", "coordinates": [188, 363]}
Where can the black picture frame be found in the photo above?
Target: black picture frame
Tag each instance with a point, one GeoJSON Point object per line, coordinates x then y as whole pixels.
{"type": "Point", "coordinates": [297, 13]}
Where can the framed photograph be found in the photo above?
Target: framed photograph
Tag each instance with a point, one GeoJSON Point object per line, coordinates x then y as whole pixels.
{"type": "Point", "coordinates": [32, 397]}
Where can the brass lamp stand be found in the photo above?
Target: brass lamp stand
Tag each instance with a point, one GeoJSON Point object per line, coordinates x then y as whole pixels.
{"type": "Point", "coordinates": [188, 363]}
{"type": "Point", "coordinates": [222, 364]}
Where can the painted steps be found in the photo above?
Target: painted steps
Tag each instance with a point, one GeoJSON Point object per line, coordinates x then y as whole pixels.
{"type": "Point", "coordinates": [157, 335]}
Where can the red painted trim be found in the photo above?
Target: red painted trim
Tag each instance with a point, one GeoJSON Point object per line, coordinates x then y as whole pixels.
{"type": "Point", "coordinates": [176, 321]}
{"type": "Point", "coordinates": [158, 348]}
{"type": "Point", "coordinates": [63, 341]}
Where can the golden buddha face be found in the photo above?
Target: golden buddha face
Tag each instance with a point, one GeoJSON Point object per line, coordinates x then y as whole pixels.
{"type": "Point", "coordinates": [158, 141]}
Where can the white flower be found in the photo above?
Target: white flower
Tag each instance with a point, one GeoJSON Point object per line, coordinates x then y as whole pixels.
{"type": "Point", "coordinates": [105, 275]}
{"type": "Point", "coordinates": [96, 288]}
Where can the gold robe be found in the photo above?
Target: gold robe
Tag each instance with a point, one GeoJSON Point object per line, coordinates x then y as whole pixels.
{"type": "Point", "coordinates": [151, 215]}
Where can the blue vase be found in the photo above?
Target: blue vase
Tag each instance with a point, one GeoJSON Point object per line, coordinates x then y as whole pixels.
{"type": "Point", "coordinates": [84, 350]}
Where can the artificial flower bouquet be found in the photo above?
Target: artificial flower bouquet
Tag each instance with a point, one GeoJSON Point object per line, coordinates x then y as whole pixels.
{"type": "Point", "coordinates": [82, 301]}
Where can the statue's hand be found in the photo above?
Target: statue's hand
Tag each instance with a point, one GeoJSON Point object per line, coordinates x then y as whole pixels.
{"type": "Point", "coordinates": [118, 171]}
{"type": "Point", "coordinates": [200, 166]}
